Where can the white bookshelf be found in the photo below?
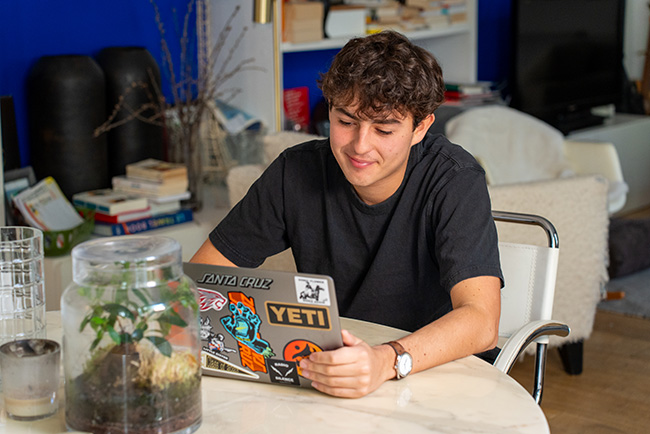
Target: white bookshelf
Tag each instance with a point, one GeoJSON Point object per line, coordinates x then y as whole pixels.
{"type": "Point", "coordinates": [454, 46]}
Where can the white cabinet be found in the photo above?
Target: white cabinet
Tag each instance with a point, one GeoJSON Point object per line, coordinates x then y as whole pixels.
{"type": "Point", "coordinates": [630, 135]}
{"type": "Point", "coordinates": [454, 46]}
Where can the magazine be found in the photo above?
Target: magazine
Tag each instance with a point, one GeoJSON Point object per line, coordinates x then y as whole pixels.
{"type": "Point", "coordinates": [45, 207]}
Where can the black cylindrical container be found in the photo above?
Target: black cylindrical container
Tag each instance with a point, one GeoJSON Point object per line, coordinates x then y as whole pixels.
{"type": "Point", "coordinates": [66, 102]}
{"type": "Point", "coordinates": [133, 75]}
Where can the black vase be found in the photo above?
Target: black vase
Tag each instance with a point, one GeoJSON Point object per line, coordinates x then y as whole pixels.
{"type": "Point", "coordinates": [66, 102]}
{"type": "Point", "coordinates": [132, 75]}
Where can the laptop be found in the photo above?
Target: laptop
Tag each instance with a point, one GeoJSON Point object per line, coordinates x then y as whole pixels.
{"type": "Point", "coordinates": [258, 324]}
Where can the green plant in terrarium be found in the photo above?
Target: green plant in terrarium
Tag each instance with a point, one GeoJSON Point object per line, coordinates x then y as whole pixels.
{"type": "Point", "coordinates": [127, 322]}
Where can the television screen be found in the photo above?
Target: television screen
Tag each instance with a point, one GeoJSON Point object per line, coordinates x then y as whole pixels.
{"type": "Point", "coordinates": [567, 58]}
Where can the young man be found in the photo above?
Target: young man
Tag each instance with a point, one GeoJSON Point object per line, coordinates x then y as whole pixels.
{"type": "Point", "coordinates": [401, 220]}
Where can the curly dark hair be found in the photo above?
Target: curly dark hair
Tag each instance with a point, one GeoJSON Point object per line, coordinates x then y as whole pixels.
{"type": "Point", "coordinates": [383, 73]}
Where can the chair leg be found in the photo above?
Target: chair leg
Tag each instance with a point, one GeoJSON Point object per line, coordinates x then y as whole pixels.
{"type": "Point", "coordinates": [540, 370]}
{"type": "Point", "coordinates": [571, 355]}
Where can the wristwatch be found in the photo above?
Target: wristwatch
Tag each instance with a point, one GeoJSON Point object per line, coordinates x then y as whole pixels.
{"type": "Point", "coordinates": [403, 362]}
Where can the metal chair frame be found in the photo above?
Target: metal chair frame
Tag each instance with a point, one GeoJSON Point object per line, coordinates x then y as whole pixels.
{"type": "Point", "coordinates": [537, 329]}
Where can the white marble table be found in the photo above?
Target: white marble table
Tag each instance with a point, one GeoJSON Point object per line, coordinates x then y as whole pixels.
{"type": "Point", "coordinates": [466, 396]}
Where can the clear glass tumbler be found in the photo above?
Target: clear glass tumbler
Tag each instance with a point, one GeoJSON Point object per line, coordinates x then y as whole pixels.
{"type": "Point", "coordinates": [22, 287]}
{"type": "Point", "coordinates": [31, 371]}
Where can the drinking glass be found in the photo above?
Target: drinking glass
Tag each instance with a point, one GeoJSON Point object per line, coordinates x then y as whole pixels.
{"type": "Point", "coordinates": [22, 289]}
{"type": "Point", "coordinates": [31, 369]}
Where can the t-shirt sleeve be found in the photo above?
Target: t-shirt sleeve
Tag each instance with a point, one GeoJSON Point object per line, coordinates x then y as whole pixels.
{"type": "Point", "coordinates": [466, 243]}
{"type": "Point", "coordinates": [255, 228]}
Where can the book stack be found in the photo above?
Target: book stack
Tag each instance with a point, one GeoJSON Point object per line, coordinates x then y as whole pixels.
{"type": "Point", "coordinates": [118, 213]}
{"type": "Point", "coordinates": [471, 94]}
{"type": "Point", "coordinates": [438, 13]}
{"type": "Point", "coordinates": [148, 197]}
{"type": "Point", "coordinates": [153, 179]}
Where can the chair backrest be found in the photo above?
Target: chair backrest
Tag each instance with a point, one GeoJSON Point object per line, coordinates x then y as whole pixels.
{"type": "Point", "coordinates": [530, 273]}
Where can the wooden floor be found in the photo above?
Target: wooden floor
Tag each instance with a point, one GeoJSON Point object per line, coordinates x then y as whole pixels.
{"type": "Point", "coordinates": [612, 395]}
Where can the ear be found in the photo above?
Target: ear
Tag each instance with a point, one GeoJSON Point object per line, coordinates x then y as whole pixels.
{"type": "Point", "coordinates": [422, 128]}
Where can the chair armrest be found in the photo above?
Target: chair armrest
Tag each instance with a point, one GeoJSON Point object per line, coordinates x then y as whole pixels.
{"type": "Point", "coordinates": [518, 342]}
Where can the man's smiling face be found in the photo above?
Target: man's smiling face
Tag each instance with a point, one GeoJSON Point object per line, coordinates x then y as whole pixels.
{"type": "Point", "coordinates": [373, 152]}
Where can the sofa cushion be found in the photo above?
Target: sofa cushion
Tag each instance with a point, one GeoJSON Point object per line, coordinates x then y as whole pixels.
{"type": "Point", "coordinates": [512, 146]}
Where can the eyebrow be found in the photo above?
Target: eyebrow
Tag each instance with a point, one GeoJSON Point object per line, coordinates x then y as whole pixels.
{"type": "Point", "coordinates": [386, 121]}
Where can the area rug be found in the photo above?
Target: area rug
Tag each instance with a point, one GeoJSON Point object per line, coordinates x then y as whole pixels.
{"type": "Point", "coordinates": [636, 302]}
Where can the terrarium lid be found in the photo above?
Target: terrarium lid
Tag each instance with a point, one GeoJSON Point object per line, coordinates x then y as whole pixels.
{"type": "Point", "coordinates": [141, 255]}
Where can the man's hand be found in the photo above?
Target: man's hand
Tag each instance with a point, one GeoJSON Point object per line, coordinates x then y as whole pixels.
{"type": "Point", "coordinates": [352, 371]}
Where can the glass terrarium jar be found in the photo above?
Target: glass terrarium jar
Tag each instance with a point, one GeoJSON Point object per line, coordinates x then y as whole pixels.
{"type": "Point", "coordinates": [131, 344]}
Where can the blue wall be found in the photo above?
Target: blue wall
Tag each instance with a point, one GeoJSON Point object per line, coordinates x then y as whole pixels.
{"type": "Point", "coordinates": [493, 40]}
{"type": "Point", "coordinates": [33, 28]}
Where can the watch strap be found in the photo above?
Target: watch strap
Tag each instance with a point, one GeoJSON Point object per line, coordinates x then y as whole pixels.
{"type": "Point", "coordinates": [399, 351]}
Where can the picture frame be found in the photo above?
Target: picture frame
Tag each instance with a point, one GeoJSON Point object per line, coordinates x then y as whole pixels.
{"type": "Point", "coordinates": [15, 181]}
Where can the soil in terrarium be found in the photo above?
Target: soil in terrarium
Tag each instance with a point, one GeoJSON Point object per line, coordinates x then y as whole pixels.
{"type": "Point", "coordinates": [133, 388]}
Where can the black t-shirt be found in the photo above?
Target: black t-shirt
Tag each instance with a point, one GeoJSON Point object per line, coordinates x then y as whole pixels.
{"type": "Point", "coordinates": [393, 263]}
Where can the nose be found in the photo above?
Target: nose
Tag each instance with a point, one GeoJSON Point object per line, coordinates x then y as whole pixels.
{"type": "Point", "coordinates": [362, 142]}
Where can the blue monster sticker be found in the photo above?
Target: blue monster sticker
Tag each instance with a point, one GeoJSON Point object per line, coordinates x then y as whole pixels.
{"type": "Point", "coordinates": [244, 326]}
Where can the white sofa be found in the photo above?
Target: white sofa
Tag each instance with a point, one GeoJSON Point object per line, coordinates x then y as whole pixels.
{"type": "Point", "coordinates": [576, 203]}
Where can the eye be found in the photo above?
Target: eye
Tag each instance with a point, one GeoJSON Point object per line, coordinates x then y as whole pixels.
{"type": "Point", "coordinates": [344, 123]}
{"type": "Point", "coordinates": [384, 132]}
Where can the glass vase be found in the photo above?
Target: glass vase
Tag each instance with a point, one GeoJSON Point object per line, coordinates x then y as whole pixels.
{"type": "Point", "coordinates": [131, 340]}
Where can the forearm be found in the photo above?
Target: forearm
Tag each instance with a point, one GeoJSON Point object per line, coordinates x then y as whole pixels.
{"type": "Point", "coordinates": [460, 333]}
{"type": "Point", "coordinates": [471, 327]}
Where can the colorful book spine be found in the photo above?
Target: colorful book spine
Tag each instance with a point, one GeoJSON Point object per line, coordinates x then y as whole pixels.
{"type": "Point", "coordinates": [145, 224]}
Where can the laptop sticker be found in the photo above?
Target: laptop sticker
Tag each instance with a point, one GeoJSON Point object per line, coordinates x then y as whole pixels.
{"type": "Point", "coordinates": [209, 299]}
{"type": "Point", "coordinates": [298, 349]}
{"type": "Point", "coordinates": [295, 315]}
{"type": "Point", "coordinates": [283, 372]}
{"type": "Point", "coordinates": [244, 325]}
{"type": "Point", "coordinates": [215, 341]}
{"type": "Point", "coordinates": [232, 280]}
{"type": "Point", "coordinates": [310, 290]}
{"type": "Point", "coordinates": [211, 363]}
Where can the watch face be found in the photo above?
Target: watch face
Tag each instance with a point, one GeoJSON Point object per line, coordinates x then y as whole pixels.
{"type": "Point", "coordinates": [405, 364]}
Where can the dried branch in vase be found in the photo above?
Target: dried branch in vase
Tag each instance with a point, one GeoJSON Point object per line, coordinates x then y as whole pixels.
{"type": "Point", "coordinates": [196, 80]}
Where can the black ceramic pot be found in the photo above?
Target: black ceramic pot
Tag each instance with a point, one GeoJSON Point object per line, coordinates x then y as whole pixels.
{"type": "Point", "coordinates": [66, 102]}
{"type": "Point", "coordinates": [133, 74]}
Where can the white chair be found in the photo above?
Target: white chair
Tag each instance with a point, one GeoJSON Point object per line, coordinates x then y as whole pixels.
{"type": "Point", "coordinates": [527, 298]}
